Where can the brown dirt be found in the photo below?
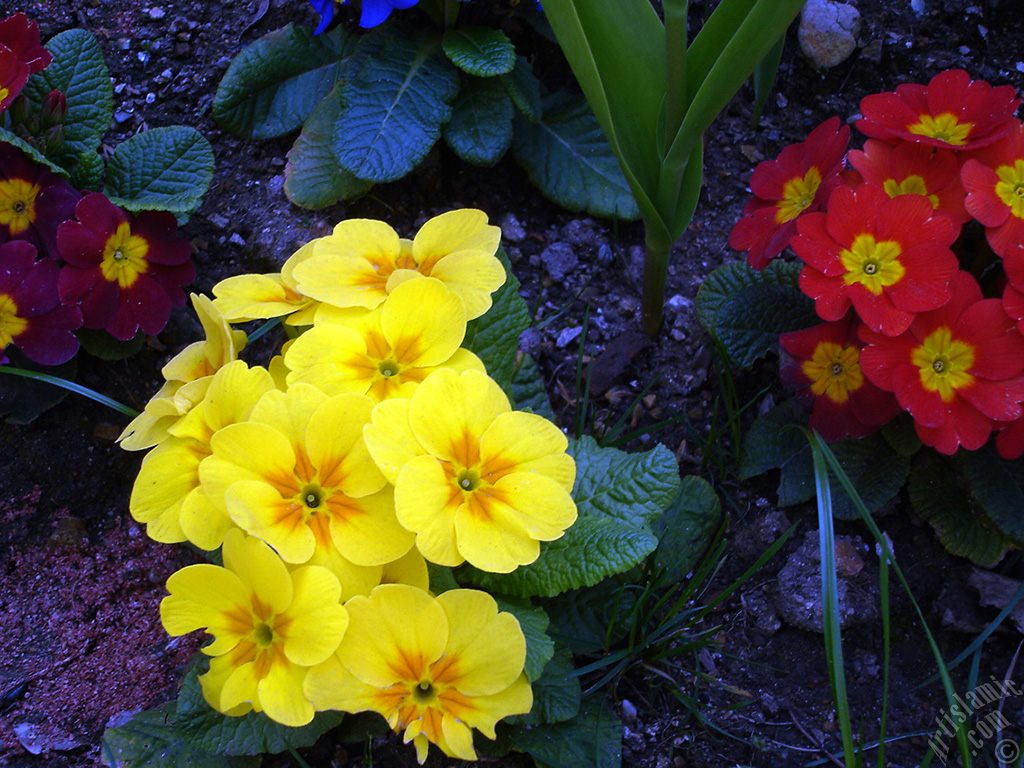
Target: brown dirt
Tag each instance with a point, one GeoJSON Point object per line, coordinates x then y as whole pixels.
{"type": "Point", "coordinates": [80, 640]}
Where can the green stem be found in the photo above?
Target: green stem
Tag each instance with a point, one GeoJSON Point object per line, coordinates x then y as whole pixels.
{"type": "Point", "coordinates": [655, 277]}
{"type": "Point", "coordinates": [71, 386]}
{"type": "Point", "coordinates": [676, 97]}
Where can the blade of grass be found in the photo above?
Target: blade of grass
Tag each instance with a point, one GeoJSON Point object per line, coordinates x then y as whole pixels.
{"type": "Point", "coordinates": [71, 386]}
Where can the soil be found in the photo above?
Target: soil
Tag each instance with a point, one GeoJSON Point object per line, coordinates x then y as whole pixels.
{"type": "Point", "coordinates": [80, 639]}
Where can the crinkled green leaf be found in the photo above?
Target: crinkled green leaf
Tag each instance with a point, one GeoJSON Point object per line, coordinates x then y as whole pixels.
{"type": "Point", "coordinates": [312, 178]}
{"type": "Point", "coordinates": [773, 439]}
{"type": "Point", "coordinates": [998, 485]}
{"type": "Point", "coordinates": [534, 623]}
{"type": "Point", "coordinates": [569, 160]}
{"type": "Point", "coordinates": [939, 495]}
{"type": "Point", "coordinates": [618, 495]}
{"type": "Point", "coordinates": [167, 169]}
{"type": "Point", "coordinates": [876, 471]}
{"type": "Point", "coordinates": [152, 739]}
{"type": "Point", "coordinates": [494, 337]}
{"type": "Point", "coordinates": [590, 620]}
{"type": "Point", "coordinates": [686, 528]}
{"type": "Point", "coordinates": [480, 51]}
{"type": "Point", "coordinates": [592, 739]}
{"type": "Point", "coordinates": [251, 734]}
{"type": "Point", "coordinates": [529, 391]}
{"type": "Point", "coordinates": [394, 106]}
{"type": "Point", "coordinates": [34, 154]}
{"type": "Point", "coordinates": [480, 129]}
{"type": "Point", "coordinates": [80, 73]}
{"type": "Point", "coordinates": [750, 320]}
{"type": "Point", "coordinates": [900, 434]}
{"type": "Point", "coordinates": [274, 84]}
{"type": "Point", "coordinates": [733, 277]}
{"type": "Point", "coordinates": [87, 172]}
{"type": "Point", "coordinates": [523, 88]}
{"type": "Point", "coordinates": [556, 693]}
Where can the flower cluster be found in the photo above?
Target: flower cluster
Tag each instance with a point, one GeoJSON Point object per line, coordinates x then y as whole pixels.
{"type": "Point", "coordinates": [372, 12]}
{"type": "Point", "coordinates": [69, 261]}
{"type": "Point", "coordinates": [373, 444]}
{"type": "Point", "coordinates": [913, 251]}
{"type": "Point", "coordinates": [21, 54]}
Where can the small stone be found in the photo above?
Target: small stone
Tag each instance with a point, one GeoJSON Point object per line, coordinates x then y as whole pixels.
{"type": "Point", "coordinates": [511, 229]}
{"type": "Point", "coordinates": [123, 115]}
{"type": "Point", "coordinates": [559, 259]}
{"type": "Point", "coordinates": [150, 98]}
{"type": "Point", "coordinates": [157, 13]}
{"type": "Point", "coordinates": [828, 32]}
{"type": "Point", "coordinates": [236, 239]}
{"type": "Point", "coordinates": [678, 302]}
{"type": "Point", "coordinates": [143, 56]}
{"type": "Point", "coordinates": [566, 336]}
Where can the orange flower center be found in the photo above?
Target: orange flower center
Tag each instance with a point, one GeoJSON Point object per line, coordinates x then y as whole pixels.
{"type": "Point", "coordinates": [944, 363]}
{"type": "Point", "coordinates": [124, 257]}
{"type": "Point", "coordinates": [17, 204]}
{"type": "Point", "coordinates": [875, 265]}
{"type": "Point", "coordinates": [10, 324]}
{"type": "Point", "coordinates": [834, 371]}
{"type": "Point", "coordinates": [1010, 187]}
{"type": "Point", "coordinates": [944, 127]}
{"type": "Point", "coordinates": [797, 195]}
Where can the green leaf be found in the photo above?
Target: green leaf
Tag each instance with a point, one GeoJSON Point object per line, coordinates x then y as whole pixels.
{"type": "Point", "coordinates": [618, 495]}
{"type": "Point", "coordinates": [686, 528]}
{"type": "Point", "coordinates": [480, 129]}
{"type": "Point", "coordinates": [901, 435]}
{"type": "Point", "coordinates": [394, 107]}
{"type": "Point", "coordinates": [750, 321]}
{"type": "Point", "coordinates": [939, 495]}
{"type": "Point", "coordinates": [494, 336]}
{"type": "Point", "coordinates": [764, 77]}
{"type": "Point", "coordinates": [771, 443]}
{"type": "Point", "coordinates": [876, 471]}
{"type": "Point", "coordinates": [523, 88]}
{"type": "Point", "coordinates": [166, 169]}
{"type": "Point", "coordinates": [34, 154]}
{"type": "Point", "coordinates": [250, 734]}
{"type": "Point", "coordinates": [998, 485]}
{"type": "Point", "coordinates": [98, 343]}
{"type": "Point", "coordinates": [23, 399]}
{"type": "Point", "coordinates": [153, 739]}
{"type": "Point", "coordinates": [534, 623]}
{"type": "Point", "coordinates": [274, 84]}
{"type": "Point", "coordinates": [570, 161]}
{"type": "Point", "coordinates": [589, 621]}
{"type": "Point", "coordinates": [556, 693]}
{"type": "Point", "coordinates": [529, 391]}
{"type": "Point", "coordinates": [480, 51]}
{"type": "Point", "coordinates": [312, 178]}
{"type": "Point", "coordinates": [592, 739]}
{"type": "Point", "coordinates": [80, 73]}
{"type": "Point", "coordinates": [729, 279]}
{"type": "Point", "coordinates": [87, 173]}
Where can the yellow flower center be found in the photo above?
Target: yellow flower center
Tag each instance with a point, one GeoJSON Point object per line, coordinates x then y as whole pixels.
{"type": "Point", "coordinates": [4, 93]}
{"type": "Point", "coordinates": [312, 497]}
{"type": "Point", "coordinates": [834, 371]}
{"type": "Point", "coordinates": [10, 324]}
{"type": "Point", "coordinates": [912, 185]}
{"type": "Point", "coordinates": [797, 194]}
{"type": "Point", "coordinates": [263, 635]}
{"type": "Point", "coordinates": [17, 204]}
{"type": "Point", "coordinates": [873, 264]}
{"type": "Point", "coordinates": [944, 127]}
{"type": "Point", "coordinates": [124, 257]}
{"type": "Point", "coordinates": [424, 693]}
{"type": "Point", "coordinates": [1010, 187]}
{"type": "Point", "coordinates": [944, 363]}
{"type": "Point", "coordinates": [468, 480]}
{"type": "Point", "coordinates": [388, 368]}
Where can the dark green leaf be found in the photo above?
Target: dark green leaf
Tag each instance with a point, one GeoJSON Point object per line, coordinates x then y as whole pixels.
{"type": "Point", "coordinates": [534, 623]}
{"type": "Point", "coordinates": [772, 440]}
{"type": "Point", "coordinates": [556, 693]}
{"type": "Point", "coordinates": [480, 129]}
{"type": "Point", "coordinates": [998, 485]}
{"type": "Point", "coordinates": [901, 435]}
{"type": "Point", "coordinates": [101, 344]}
{"type": "Point", "coordinates": [750, 320]}
{"type": "Point", "coordinates": [570, 161]}
{"type": "Point", "coordinates": [494, 337]}
{"type": "Point", "coordinates": [529, 391]}
{"type": "Point", "coordinates": [87, 173]}
{"type": "Point", "coordinates": [939, 495]}
{"type": "Point", "coordinates": [312, 178]}
{"type": "Point", "coordinates": [80, 73]}
{"type": "Point", "coordinates": [273, 85]}
{"type": "Point", "coordinates": [152, 739]}
{"type": "Point", "coordinates": [730, 278]}
{"type": "Point", "coordinates": [480, 51]}
{"type": "Point", "coordinates": [23, 399]}
{"type": "Point", "coordinates": [590, 620]}
{"type": "Point", "coordinates": [523, 88]}
{"type": "Point", "coordinates": [592, 739]}
{"type": "Point", "coordinates": [876, 471]}
{"type": "Point", "coordinates": [166, 169]}
{"type": "Point", "coordinates": [394, 107]}
{"type": "Point", "coordinates": [250, 734]}
{"type": "Point", "coordinates": [764, 77]}
{"type": "Point", "coordinates": [34, 154]}
{"type": "Point", "coordinates": [686, 528]}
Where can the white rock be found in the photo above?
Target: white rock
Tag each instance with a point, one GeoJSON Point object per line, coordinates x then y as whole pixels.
{"type": "Point", "coordinates": [828, 32]}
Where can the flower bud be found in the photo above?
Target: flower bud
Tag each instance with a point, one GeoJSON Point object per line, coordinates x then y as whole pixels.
{"type": "Point", "coordinates": [54, 110]}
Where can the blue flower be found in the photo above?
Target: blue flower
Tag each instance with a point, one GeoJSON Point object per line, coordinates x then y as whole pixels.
{"type": "Point", "coordinates": [326, 10]}
{"type": "Point", "coordinates": [375, 11]}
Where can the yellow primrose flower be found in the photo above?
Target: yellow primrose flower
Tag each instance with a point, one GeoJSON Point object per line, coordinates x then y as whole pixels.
{"type": "Point", "coordinates": [364, 260]}
{"type": "Point", "coordinates": [166, 495]}
{"type": "Point", "coordinates": [435, 667]}
{"type": "Point", "coordinates": [196, 362]}
{"type": "Point", "coordinates": [388, 351]}
{"type": "Point", "coordinates": [259, 297]}
{"type": "Point", "coordinates": [410, 569]}
{"type": "Point", "coordinates": [269, 626]}
{"type": "Point", "coordinates": [298, 475]}
{"type": "Point", "coordinates": [473, 479]}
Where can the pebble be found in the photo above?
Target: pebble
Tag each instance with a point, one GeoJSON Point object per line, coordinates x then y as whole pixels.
{"type": "Point", "coordinates": [828, 32]}
{"type": "Point", "coordinates": [567, 335]}
{"type": "Point", "coordinates": [559, 259]}
{"type": "Point", "coordinates": [511, 229]}
{"type": "Point", "coordinates": [157, 13]}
